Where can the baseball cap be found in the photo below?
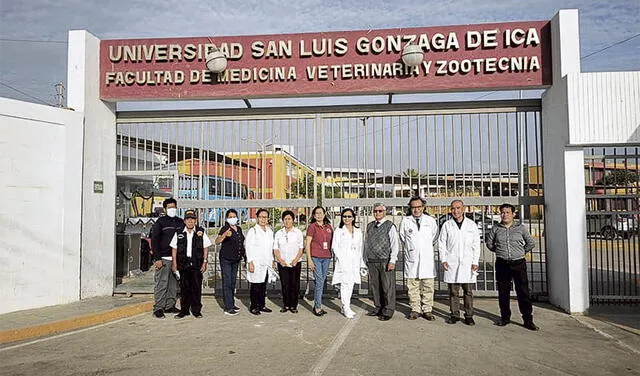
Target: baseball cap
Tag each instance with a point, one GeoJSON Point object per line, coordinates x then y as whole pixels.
{"type": "Point", "coordinates": [190, 214]}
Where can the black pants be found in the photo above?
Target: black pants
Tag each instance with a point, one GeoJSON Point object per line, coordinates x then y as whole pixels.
{"type": "Point", "coordinates": [257, 294]}
{"type": "Point", "coordinates": [515, 270]}
{"type": "Point", "coordinates": [290, 282]}
{"type": "Point", "coordinates": [229, 274]}
{"type": "Point", "coordinates": [190, 290]}
{"type": "Point", "coordinates": [383, 287]}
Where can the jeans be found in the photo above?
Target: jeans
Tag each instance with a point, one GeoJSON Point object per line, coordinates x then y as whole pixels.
{"type": "Point", "coordinates": [320, 275]}
{"type": "Point", "coordinates": [229, 274]}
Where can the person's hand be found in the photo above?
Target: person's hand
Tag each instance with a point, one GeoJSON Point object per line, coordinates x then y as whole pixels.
{"type": "Point", "coordinates": [228, 233]}
{"type": "Point", "coordinates": [312, 267]}
{"type": "Point", "coordinates": [252, 268]}
{"type": "Point", "coordinates": [474, 268]}
{"type": "Point", "coordinates": [203, 268]}
{"type": "Point", "coordinates": [391, 267]}
{"type": "Point", "coordinates": [158, 264]}
{"type": "Point", "coordinates": [445, 266]}
{"type": "Point", "coordinates": [174, 267]}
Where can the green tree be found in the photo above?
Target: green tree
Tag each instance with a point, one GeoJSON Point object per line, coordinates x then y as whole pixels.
{"type": "Point", "coordinates": [619, 178]}
{"type": "Point", "coordinates": [303, 188]}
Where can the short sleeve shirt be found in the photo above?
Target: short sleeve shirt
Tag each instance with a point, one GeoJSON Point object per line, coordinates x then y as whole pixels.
{"type": "Point", "coordinates": [288, 243]}
{"type": "Point", "coordinates": [320, 240]}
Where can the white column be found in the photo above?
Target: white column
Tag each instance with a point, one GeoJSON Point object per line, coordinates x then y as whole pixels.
{"type": "Point", "coordinates": [97, 263]}
{"type": "Point", "coordinates": [564, 189]}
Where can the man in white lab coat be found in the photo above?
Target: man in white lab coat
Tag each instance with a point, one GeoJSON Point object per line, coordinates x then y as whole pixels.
{"type": "Point", "coordinates": [418, 233]}
{"type": "Point", "coordinates": [459, 246]}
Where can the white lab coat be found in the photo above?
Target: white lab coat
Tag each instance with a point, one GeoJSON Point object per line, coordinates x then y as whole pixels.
{"type": "Point", "coordinates": [347, 248]}
{"type": "Point", "coordinates": [259, 247]}
{"type": "Point", "coordinates": [418, 246]}
{"type": "Point", "coordinates": [460, 248]}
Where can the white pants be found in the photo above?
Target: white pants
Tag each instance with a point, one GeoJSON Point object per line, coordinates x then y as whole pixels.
{"type": "Point", "coordinates": [346, 289]}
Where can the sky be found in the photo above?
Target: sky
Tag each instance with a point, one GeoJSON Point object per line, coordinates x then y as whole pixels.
{"type": "Point", "coordinates": [33, 33]}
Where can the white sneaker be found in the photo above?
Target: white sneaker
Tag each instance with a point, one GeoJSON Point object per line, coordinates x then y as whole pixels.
{"type": "Point", "coordinates": [348, 313]}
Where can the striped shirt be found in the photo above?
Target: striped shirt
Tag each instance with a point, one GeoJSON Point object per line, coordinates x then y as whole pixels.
{"type": "Point", "coordinates": [509, 243]}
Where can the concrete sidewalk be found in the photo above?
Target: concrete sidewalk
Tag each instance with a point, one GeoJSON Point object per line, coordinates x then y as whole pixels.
{"type": "Point", "coordinates": [606, 343]}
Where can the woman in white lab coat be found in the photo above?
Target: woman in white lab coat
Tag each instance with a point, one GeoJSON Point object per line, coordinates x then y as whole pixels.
{"type": "Point", "coordinates": [347, 248]}
{"type": "Point", "coordinates": [259, 251]}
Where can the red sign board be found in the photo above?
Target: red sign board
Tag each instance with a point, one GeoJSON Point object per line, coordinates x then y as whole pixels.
{"type": "Point", "coordinates": [512, 55]}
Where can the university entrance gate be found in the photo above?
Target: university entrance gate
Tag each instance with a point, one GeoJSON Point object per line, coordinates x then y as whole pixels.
{"type": "Point", "coordinates": [486, 153]}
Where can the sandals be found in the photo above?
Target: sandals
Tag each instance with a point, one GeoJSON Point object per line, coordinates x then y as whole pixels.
{"type": "Point", "coordinates": [319, 312]}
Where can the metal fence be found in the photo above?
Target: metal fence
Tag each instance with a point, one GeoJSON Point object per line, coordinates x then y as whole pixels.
{"type": "Point", "coordinates": [611, 176]}
{"type": "Point", "coordinates": [338, 157]}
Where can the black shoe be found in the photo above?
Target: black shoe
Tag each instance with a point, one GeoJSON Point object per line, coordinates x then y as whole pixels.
{"type": "Point", "coordinates": [503, 322]}
{"type": "Point", "coordinates": [429, 316]}
{"type": "Point", "coordinates": [181, 315]}
{"type": "Point", "coordinates": [265, 310]}
{"type": "Point", "coordinates": [531, 326]}
{"type": "Point", "coordinates": [413, 315]}
{"type": "Point", "coordinates": [254, 311]}
{"type": "Point", "coordinates": [374, 313]}
{"type": "Point", "coordinates": [236, 308]}
{"type": "Point", "coordinates": [158, 314]}
{"type": "Point", "coordinates": [230, 312]}
{"type": "Point", "coordinates": [317, 312]}
{"type": "Point", "coordinates": [384, 318]}
{"type": "Point", "coordinates": [293, 310]}
{"type": "Point", "coordinates": [197, 315]}
{"type": "Point", "coordinates": [284, 309]}
{"type": "Point", "coordinates": [452, 320]}
{"type": "Point", "coordinates": [172, 310]}
{"type": "Point", "coordinates": [469, 321]}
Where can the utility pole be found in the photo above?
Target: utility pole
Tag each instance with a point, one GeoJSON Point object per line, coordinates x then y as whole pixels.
{"type": "Point", "coordinates": [59, 94]}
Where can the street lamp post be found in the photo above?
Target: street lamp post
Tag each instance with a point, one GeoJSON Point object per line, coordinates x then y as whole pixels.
{"type": "Point", "coordinates": [263, 156]}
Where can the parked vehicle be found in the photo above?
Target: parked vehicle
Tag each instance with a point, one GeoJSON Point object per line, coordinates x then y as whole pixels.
{"type": "Point", "coordinates": [611, 225]}
{"type": "Point", "coordinates": [484, 222]}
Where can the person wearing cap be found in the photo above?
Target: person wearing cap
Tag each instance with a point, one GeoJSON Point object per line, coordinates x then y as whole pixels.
{"type": "Point", "coordinates": [459, 246]}
{"type": "Point", "coordinates": [380, 253]}
{"type": "Point", "coordinates": [166, 286]}
{"type": "Point", "coordinates": [418, 233]}
{"type": "Point", "coordinates": [190, 251]}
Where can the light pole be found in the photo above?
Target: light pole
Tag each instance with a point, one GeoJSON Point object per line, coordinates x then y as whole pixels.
{"type": "Point", "coordinates": [262, 145]}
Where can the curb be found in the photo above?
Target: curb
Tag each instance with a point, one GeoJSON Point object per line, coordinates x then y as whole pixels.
{"type": "Point", "coordinates": [73, 323]}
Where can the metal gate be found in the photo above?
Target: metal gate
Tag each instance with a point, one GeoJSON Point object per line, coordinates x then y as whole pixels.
{"type": "Point", "coordinates": [611, 175]}
{"type": "Point", "coordinates": [486, 153]}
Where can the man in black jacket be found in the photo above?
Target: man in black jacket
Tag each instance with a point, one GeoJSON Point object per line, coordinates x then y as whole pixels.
{"type": "Point", "coordinates": [190, 249]}
{"type": "Point", "coordinates": [166, 285]}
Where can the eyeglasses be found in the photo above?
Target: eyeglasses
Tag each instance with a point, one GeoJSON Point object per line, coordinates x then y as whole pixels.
{"type": "Point", "coordinates": [378, 211]}
{"type": "Point", "coordinates": [417, 207]}
{"type": "Point", "coordinates": [347, 216]}
{"type": "Point", "coordinates": [263, 216]}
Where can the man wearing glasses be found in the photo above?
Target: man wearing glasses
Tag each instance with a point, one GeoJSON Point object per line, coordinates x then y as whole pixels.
{"type": "Point", "coordinates": [381, 253]}
{"type": "Point", "coordinates": [418, 233]}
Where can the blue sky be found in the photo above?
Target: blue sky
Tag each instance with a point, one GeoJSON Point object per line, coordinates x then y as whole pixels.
{"type": "Point", "coordinates": [34, 67]}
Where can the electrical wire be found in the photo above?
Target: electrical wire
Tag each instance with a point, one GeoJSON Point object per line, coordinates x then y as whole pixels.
{"type": "Point", "coordinates": [25, 94]}
{"type": "Point", "coordinates": [32, 41]}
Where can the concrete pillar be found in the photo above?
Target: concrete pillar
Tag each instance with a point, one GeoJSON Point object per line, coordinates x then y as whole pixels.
{"type": "Point", "coordinates": [97, 253]}
{"type": "Point", "coordinates": [564, 183]}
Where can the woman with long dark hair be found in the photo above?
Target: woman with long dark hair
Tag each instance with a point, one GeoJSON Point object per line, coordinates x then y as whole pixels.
{"type": "Point", "coordinates": [347, 247]}
{"type": "Point", "coordinates": [318, 248]}
{"type": "Point", "coordinates": [231, 252]}
{"type": "Point", "coordinates": [259, 245]}
{"type": "Point", "coordinates": [287, 250]}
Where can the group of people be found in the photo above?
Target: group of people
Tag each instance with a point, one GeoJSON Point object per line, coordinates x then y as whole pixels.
{"type": "Point", "coordinates": [181, 253]}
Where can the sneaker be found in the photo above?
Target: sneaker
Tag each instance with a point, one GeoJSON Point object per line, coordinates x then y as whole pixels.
{"type": "Point", "coordinates": [172, 310]}
{"type": "Point", "coordinates": [413, 315]}
{"type": "Point", "coordinates": [181, 315]}
{"type": "Point", "coordinates": [348, 313]}
{"type": "Point", "coordinates": [429, 316]}
{"type": "Point", "coordinates": [197, 315]}
{"type": "Point", "coordinates": [469, 321]}
{"type": "Point", "coordinates": [265, 310]}
{"type": "Point", "coordinates": [531, 326]}
{"type": "Point", "coordinates": [254, 311]}
{"type": "Point", "coordinates": [159, 314]}
{"type": "Point", "coordinates": [230, 312]}
{"type": "Point", "coordinates": [236, 308]}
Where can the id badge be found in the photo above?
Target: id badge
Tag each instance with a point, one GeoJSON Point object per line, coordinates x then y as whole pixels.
{"type": "Point", "coordinates": [325, 245]}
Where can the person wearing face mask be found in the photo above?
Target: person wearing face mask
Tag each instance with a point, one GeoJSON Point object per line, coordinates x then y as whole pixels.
{"type": "Point", "coordinates": [166, 285]}
{"type": "Point", "coordinates": [231, 252]}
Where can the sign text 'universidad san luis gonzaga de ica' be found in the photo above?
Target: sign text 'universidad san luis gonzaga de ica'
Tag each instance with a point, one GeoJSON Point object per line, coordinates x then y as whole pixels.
{"type": "Point", "coordinates": [456, 58]}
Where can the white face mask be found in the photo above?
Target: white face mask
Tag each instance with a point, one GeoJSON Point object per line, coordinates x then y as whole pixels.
{"type": "Point", "coordinates": [172, 212]}
{"type": "Point", "coordinates": [232, 221]}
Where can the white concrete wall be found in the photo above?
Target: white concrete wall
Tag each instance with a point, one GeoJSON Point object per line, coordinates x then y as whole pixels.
{"type": "Point", "coordinates": [40, 187]}
{"type": "Point", "coordinates": [565, 207]}
{"type": "Point", "coordinates": [99, 158]}
{"type": "Point", "coordinates": [604, 108]}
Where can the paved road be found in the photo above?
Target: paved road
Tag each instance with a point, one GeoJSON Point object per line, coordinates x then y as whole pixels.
{"type": "Point", "coordinates": [302, 344]}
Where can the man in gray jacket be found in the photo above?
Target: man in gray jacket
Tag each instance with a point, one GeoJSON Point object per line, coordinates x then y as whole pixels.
{"type": "Point", "coordinates": [510, 242]}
